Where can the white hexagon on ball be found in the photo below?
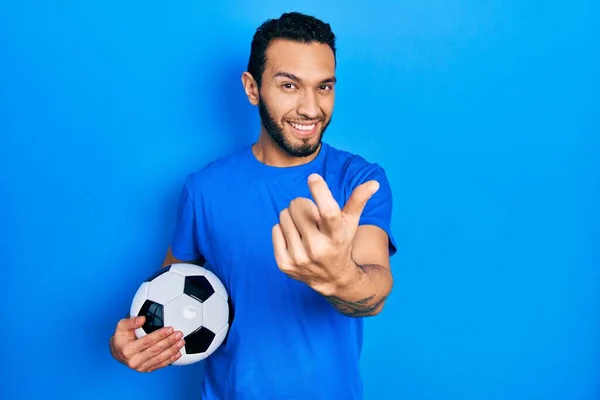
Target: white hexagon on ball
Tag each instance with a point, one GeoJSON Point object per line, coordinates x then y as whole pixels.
{"type": "Point", "coordinates": [139, 298]}
{"type": "Point", "coordinates": [185, 313]}
{"type": "Point", "coordinates": [216, 313]}
{"type": "Point", "coordinates": [165, 287]}
{"type": "Point", "coordinates": [186, 269]}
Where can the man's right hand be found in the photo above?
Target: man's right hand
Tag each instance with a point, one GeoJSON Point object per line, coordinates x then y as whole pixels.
{"type": "Point", "coordinates": [151, 352]}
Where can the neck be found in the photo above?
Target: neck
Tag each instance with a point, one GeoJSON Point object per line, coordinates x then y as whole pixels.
{"type": "Point", "coordinates": [269, 153]}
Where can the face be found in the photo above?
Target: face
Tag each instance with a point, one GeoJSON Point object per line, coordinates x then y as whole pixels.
{"type": "Point", "coordinates": [296, 97]}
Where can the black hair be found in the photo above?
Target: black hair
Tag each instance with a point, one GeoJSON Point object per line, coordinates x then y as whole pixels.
{"type": "Point", "coordinates": [293, 26]}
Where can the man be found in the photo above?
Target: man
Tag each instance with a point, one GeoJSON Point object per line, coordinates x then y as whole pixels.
{"type": "Point", "coordinates": [298, 231]}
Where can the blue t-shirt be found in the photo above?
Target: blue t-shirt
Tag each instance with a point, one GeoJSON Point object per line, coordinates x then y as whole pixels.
{"type": "Point", "coordinates": [286, 341]}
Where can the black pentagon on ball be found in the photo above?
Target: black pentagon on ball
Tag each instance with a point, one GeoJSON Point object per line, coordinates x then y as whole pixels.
{"type": "Point", "coordinates": [199, 341]}
{"type": "Point", "coordinates": [158, 273]}
{"type": "Point", "coordinates": [154, 316]}
{"type": "Point", "coordinates": [198, 287]}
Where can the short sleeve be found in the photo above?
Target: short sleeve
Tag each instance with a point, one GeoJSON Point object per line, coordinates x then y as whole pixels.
{"type": "Point", "coordinates": [184, 244]}
{"type": "Point", "coordinates": [378, 210]}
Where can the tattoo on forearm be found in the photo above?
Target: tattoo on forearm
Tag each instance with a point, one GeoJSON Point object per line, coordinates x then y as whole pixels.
{"type": "Point", "coordinates": [358, 308]}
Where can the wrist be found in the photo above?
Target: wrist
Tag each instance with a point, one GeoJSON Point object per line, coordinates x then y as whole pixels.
{"type": "Point", "coordinates": [349, 274]}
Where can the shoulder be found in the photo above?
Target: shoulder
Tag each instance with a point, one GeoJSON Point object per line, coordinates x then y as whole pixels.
{"type": "Point", "coordinates": [354, 169]}
{"type": "Point", "coordinates": [216, 172]}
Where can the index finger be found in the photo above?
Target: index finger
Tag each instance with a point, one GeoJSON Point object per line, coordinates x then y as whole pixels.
{"type": "Point", "coordinates": [329, 210]}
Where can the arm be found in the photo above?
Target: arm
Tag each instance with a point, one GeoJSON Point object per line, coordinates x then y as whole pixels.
{"type": "Point", "coordinates": [362, 290]}
{"type": "Point", "coordinates": [171, 259]}
{"type": "Point", "coordinates": [343, 254]}
{"type": "Point", "coordinates": [156, 350]}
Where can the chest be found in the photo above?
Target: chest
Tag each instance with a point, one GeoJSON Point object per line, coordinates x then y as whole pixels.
{"type": "Point", "coordinates": [239, 222]}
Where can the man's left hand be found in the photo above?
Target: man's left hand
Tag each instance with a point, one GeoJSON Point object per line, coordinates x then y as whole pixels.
{"type": "Point", "coordinates": [313, 240]}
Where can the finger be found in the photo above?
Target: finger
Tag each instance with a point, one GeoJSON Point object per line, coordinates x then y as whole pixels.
{"type": "Point", "coordinates": [359, 198]}
{"type": "Point", "coordinates": [141, 358]}
{"type": "Point", "coordinates": [282, 257]}
{"type": "Point", "coordinates": [305, 214]}
{"type": "Point", "coordinates": [161, 354]}
{"type": "Point", "coordinates": [168, 361]}
{"type": "Point", "coordinates": [329, 210]}
{"type": "Point", "coordinates": [293, 240]}
{"type": "Point", "coordinates": [130, 324]}
{"type": "Point", "coordinates": [137, 346]}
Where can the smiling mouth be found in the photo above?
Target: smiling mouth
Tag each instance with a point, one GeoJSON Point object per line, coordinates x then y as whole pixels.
{"type": "Point", "coordinates": [303, 129]}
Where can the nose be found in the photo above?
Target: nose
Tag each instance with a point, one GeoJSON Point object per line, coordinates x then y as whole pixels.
{"type": "Point", "coordinates": [309, 106]}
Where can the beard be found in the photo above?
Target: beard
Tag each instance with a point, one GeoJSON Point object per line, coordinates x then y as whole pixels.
{"type": "Point", "coordinates": [276, 132]}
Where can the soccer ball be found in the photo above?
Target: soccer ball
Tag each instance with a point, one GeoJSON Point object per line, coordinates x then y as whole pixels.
{"type": "Point", "coordinates": [190, 299]}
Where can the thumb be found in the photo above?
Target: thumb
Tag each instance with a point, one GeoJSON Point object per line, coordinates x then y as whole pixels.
{"type": "Point", "coordinates": [359, 198]}
{"type": "Point", "coordinates": [130, 324]}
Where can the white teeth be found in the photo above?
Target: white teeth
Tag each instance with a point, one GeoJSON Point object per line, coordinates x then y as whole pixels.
{"type": "Point", "coordinates": [302, 127]}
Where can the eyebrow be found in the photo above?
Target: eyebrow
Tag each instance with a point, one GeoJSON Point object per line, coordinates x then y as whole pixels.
{"type": "Point", "coordinates": [293, 77]}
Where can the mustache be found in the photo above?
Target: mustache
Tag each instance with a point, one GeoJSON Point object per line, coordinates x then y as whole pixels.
{"type": "Point", "coordinates": [320, 118]}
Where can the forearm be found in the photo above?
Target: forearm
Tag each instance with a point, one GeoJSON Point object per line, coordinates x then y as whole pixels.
{"type": "Point", "coordinates": [361, 291]}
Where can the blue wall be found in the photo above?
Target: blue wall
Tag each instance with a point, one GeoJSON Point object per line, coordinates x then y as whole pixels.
{"type": "Point", "coordinates": [485, 114]}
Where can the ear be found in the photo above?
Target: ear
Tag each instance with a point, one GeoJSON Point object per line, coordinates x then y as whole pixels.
{"type": "Point", "coordinates": [251, 88]}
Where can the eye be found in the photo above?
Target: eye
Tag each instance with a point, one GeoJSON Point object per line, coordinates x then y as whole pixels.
{"type": "Point", "coordinates": [326, 88]}
{"type": "Point", "coordinates": [288, 86]}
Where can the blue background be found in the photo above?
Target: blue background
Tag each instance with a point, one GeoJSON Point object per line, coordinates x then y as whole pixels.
{"type": "Point", "coordinates": [484, 113]}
